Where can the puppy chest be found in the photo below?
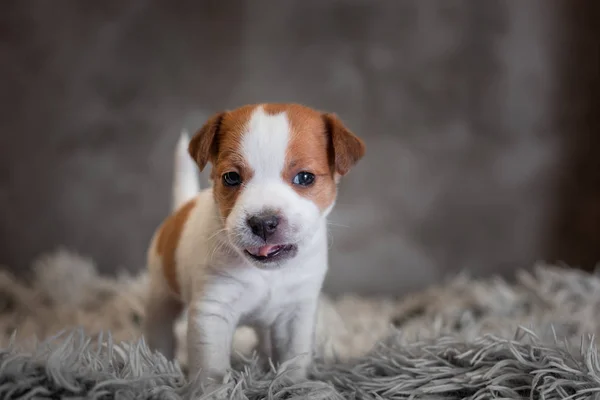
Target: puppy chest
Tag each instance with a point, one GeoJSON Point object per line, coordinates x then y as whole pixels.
{"type": "Point", "coordinates": [267, 307]}
{"type": "Point", "coordinates": [255, 296]}
{"type": "Point", "coordinates": [265, 299]}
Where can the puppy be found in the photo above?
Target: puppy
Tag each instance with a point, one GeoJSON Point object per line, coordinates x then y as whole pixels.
{"type": "Point", "coordinates": [252, 249]}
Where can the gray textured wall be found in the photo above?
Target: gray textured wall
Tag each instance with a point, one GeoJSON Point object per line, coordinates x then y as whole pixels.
{"type": "Point", "coordinates": [454, 99]}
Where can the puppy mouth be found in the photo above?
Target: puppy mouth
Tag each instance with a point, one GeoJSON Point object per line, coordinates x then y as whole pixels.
{"type": "Point", "coordinates": [270, 253]}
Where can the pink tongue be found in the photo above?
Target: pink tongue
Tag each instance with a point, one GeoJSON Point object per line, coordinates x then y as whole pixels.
{"type": "Point", "coordinates": [265, 250]}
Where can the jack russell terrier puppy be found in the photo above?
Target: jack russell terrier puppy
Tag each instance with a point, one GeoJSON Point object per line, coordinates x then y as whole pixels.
{"type": "Point", "coordinates": [252, 249]}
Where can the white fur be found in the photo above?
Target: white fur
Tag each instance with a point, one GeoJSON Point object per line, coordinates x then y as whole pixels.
{"type": "Point", "coordinates": [222, 288]}
{"type": "Point", "coordinates": [186, 181]}
{"type": "Point", "coordinates": [264, 146]}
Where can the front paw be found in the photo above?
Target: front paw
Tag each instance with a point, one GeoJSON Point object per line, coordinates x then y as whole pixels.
{"type": "Point", "coordinates": [294, 371]}
{"type": "Point", "coordinates": [213, 386]}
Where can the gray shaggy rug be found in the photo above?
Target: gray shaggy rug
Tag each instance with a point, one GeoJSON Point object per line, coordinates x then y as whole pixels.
{"type": "Point", "coordinates": [463, 339]}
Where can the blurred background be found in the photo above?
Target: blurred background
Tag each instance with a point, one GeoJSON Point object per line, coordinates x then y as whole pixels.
{"type": "Point", "coordinates": [480, 119]}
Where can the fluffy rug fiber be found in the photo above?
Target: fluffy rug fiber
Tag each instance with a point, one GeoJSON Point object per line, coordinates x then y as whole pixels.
{"type": "Point", "coordinates": [464, 339]}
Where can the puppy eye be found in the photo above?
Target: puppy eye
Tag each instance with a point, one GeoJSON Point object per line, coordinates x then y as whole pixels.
{"type": "Point", "coordinates": [303, 179]}
{"type": "Point", "coordinates": [232, 179]}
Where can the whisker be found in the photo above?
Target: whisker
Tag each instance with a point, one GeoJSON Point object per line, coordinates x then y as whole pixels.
{"type": "Point", "coordinates": [216, 233]}
{"type": "Point", "coordinates": [217, 248]}
{"type": "Point", "coordinates": [329, 240]}
{"type": "Point", "coordinates": [335, 224]}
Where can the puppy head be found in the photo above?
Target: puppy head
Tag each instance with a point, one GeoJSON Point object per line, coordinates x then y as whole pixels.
{"type": "Point", "coordinates": [275, 170]}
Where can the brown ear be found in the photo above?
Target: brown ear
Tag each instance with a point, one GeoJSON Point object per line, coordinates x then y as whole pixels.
{"type": "Point", "coordinates": [346, 148]}
{"type": "Point", "coordinates": [203, 146]}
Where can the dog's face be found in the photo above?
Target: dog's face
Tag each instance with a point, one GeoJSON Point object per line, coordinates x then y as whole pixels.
{"type": "Point", "coordinates": [275, 170]}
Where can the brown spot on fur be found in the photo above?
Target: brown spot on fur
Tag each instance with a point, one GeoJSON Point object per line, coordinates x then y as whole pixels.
{"type": "Point", "coordinates": [229, 157]}
{"type": "Point", "coordinates": [308, 151]}
{"type": "Point", "coordinates": [168, 241]}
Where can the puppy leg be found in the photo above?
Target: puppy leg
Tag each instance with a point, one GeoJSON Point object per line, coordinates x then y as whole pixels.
{"type": "Point", "coordinates": [264, 349]}
{"type": "Point", "coordinates": [211, 326]}
{"type": "Point", "coordinates": [293, 337]}
{"type": "Point", "coordinates": [162, 309]}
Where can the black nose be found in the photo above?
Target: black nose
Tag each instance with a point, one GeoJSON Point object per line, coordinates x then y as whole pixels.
{"type": "Point", "coordinates": [263, 226]}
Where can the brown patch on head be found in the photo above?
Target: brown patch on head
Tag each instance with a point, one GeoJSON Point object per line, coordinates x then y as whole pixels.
{"type": "Point", "coordinates": [308, 151]}
{"type": "Point", "coordinates": [319, 144]}
{"type": "Point", "coordinates": [218, 141]}
{"type": "Point", "coordinates": [229, 157]}
{"type": "Point", "coordinates": [168, 241]}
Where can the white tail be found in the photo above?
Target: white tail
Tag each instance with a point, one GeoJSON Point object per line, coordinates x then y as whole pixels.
{"type": "Point", "coordinates": [186, 183]}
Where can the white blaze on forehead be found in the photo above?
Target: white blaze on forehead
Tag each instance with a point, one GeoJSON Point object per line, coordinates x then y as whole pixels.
{"type": "Point", "coordinates": [265, 142]}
